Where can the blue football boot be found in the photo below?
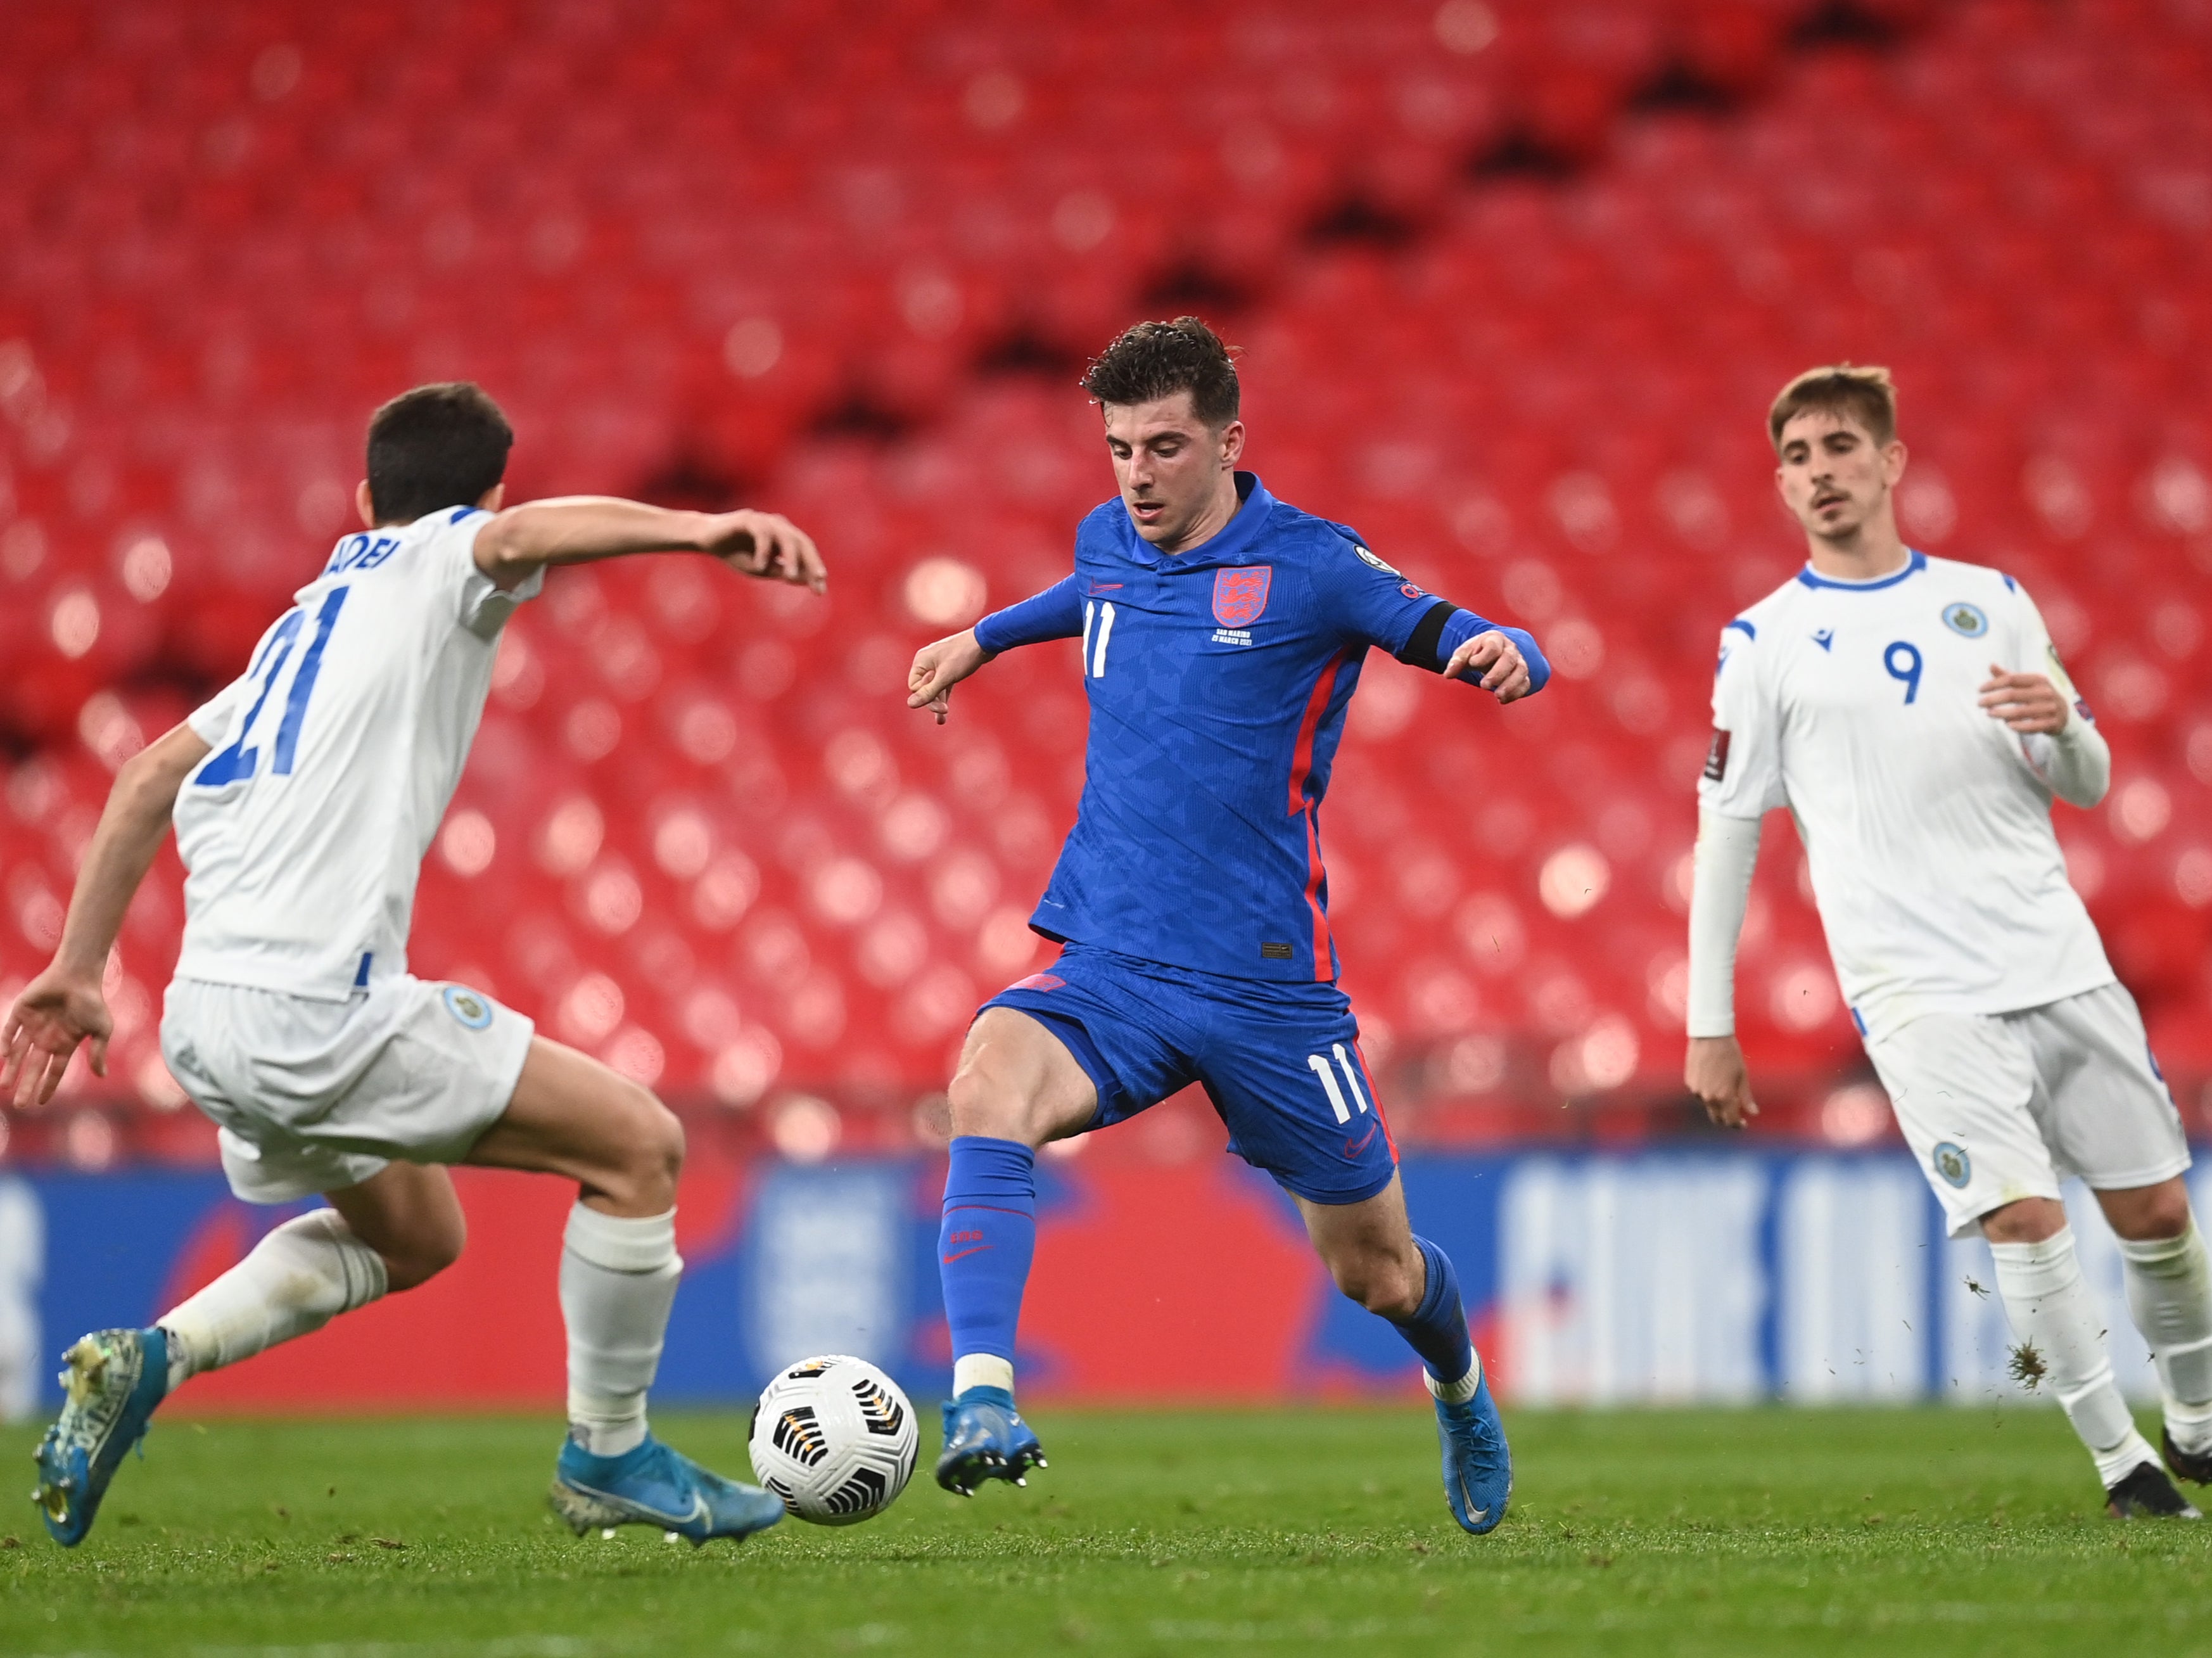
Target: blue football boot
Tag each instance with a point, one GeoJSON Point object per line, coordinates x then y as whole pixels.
{"type": "Point", "coordinates": [114, 1380]}
{"type": "Point", "coordinates": [1477, 1467]}
{"type": "Point", "coordinates": [651, 1485]}
{"type": "Point", "coordinates": [985, 1438]}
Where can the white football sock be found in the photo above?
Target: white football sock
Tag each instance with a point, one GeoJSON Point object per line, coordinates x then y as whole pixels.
{"type": "Point", "coordinates": [299, 1277]}
{"type": "Point", "coordinates": [2050, 1307]}
{"type": "Point", "coordinates": [2170, 1293]}
{"type": "Point", "coordinates": [982, 1370]}
{"type": "Point", "coordinates": [1459, 1392]}
{"type": "Point", "coordinates": [618, 1278]}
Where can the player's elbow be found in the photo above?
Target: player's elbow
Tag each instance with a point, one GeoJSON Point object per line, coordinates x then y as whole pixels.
{"type": "Point", "coordinates": [2089, 793]}
{"type": "Point", "coordinates": [2085, 781]}
{"type": "Point", "coordinates": [146, 783]}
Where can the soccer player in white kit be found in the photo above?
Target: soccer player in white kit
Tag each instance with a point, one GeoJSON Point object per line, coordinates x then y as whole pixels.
{"type": "Point", "coordinates": [304, 796]}
{"type": "Point", "coordinates": [1912, 713]}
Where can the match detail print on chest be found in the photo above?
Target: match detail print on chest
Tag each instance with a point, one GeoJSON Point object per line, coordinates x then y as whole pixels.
{"type": "Point", "coordinates": [1240, 598]}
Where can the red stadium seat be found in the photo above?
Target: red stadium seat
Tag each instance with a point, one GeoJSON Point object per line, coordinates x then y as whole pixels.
{"type": "Point", "coordinates": [1514, 306]}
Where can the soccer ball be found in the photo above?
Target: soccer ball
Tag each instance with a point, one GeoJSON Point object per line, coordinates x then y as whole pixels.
{"type": "Point", "coordinates": [835, 1438]}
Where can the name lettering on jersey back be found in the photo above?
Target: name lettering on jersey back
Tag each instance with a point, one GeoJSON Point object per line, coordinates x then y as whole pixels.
{"type": "Point", "coordinates": [362, 552]}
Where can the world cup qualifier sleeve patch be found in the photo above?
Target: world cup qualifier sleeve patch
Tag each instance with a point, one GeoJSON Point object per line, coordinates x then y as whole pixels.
{"type": "Point", "coordinates": [1717, 757]}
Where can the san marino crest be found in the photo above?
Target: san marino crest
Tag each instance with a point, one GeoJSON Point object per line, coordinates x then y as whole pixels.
{"type": "Point", "coordinates": [1240, 594]}
{"type": "Point", "coordinates": [465, 1004]}
{"type": "Point", "coordinates": [1953, 1163]}
{"type": "Point", "coordinates": [1966, 620]}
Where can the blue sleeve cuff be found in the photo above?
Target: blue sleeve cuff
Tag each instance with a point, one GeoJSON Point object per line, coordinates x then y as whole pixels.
{"type": "Point", "coordinates": [1055, 613]}
{"type": "Point", "coordinates": [1463, 625]}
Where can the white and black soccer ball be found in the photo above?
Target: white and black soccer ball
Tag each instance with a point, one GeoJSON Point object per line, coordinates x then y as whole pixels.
{"type": "Point", "coordinates": [835, 1438]}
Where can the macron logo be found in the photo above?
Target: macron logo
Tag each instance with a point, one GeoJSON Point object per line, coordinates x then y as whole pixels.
{"type": "Point", "coordinates": [1824, 638]}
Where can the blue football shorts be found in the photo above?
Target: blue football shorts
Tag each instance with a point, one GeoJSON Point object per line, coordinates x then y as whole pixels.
{"type": "Point", "coordinates": [1281, 1062]}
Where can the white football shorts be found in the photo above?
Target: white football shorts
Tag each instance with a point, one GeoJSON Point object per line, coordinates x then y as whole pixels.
{"type": "Point", "coordinates": [312, 1095]}
{"type": "Point", "coordinates": [1998, 1107]}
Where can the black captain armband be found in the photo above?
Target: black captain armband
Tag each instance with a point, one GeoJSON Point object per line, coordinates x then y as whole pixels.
{"type": "Point", "coordinates": [1421, 648]}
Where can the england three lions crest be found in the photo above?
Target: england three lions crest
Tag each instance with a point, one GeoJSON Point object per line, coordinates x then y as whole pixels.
{"type": "Point", "coordinates": [1240, 594]}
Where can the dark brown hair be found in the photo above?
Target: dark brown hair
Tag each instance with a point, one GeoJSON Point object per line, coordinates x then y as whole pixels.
{"type": "Point", "coordinates": [437, 446]}
{"type": "Point", "coordinates": [1865, 395]}
{"type": "Point", "coordinates": [1156, 360]}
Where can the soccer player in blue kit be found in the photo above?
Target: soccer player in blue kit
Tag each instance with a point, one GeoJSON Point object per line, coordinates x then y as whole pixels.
{"type": "Point", "coordinates": [1223, 632]}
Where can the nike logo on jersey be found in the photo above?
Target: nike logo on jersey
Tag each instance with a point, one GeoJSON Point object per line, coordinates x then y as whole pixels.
{"type": "Point", "coordinates": [1824, 638]}
{"type": "Point", "coordinates": [1353, 1148]}
{"type": "Point", "coordinates": [963, 1255]}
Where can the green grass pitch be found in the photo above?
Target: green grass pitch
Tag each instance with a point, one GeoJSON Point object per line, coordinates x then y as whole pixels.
{"type": "Point", "coordinates": [1967, 1531]}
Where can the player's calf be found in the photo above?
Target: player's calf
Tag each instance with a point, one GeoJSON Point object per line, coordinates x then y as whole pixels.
{"type": "Point", "coordinates": [1017, 1086]}
{"type": "Point", "coordinates": [2049, 1309]}
{"type": "Point", "coordinates": [2169, 1284]}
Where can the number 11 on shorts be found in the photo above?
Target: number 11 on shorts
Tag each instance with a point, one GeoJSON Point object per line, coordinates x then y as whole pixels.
{"type": "Point", "coordinates": [1322, 1068]}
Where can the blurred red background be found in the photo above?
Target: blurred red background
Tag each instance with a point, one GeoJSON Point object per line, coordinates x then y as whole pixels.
{"type": "Point", "coordinates": [1514, 283]}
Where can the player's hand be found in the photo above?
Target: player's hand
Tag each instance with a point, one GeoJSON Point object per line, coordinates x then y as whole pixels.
{"type": "Point", "coordinates": [1714, 1072]}
{"type": "Point", "coordinates": [1496, 660]}
{"type": "Point", "coordinates": [56, 1011]}
{"type": "Point", "coordinates": [2025, 701]}
{"type": "Point", "coordinates": [768, 545]}
{"type": "Point", "coordinates": [937, 668]}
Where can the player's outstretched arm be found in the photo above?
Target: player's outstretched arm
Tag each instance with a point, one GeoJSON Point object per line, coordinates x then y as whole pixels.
{"type": "Point", "coordinates": [1728, 851]}
{"type": "Point", "coordinates": [1055, 613]}
{"type": "Point", "coordinates": [576, 529]}
{"type": "Point", "coordinates": [64, 1004]}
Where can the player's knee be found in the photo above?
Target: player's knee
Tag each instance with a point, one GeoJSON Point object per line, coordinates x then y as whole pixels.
{"type": "Point", "coordinates": [1377, 1281]}
{"type": "Point", "coordinates": [423, 1254]}
{"type": "Point", "coordinates": [652, 1156]}
{"type": "Point", "coordinates": [2024, 1220]}
{"type": "Point", "coordinates": [983, 1105]}
{"type": "Point", "coordinates": [2162, 1212]}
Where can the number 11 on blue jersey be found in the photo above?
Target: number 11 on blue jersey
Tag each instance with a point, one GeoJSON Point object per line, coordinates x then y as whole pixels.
{"type": "Point", "coordinates": [1095, 658]}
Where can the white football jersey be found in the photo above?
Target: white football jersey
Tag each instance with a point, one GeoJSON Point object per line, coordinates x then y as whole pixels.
{"type": "Point", "coordinates": [1927, 824]}
{"type": "Point", "coordinates": [335, 755]}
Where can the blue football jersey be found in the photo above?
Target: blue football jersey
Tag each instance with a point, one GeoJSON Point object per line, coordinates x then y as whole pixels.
{"type": "Point", "coordinates": [1218, 680]}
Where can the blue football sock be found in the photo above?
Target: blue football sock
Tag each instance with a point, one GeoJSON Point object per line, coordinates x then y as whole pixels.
{"type": "Point", "coordinates": [1437, 1329]}
{"type": "Point", "coordinates": [984, 1247]}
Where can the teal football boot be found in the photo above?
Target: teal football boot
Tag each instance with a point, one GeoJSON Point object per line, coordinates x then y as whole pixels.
{"type": "Point", "coordinates": [114, 1381]}
{"type": "Point", "coordinates": [985, 1438]}
{"type": "Point", "coordinates": [651, 1485]}
{"type": "Point", "coordinates": [1477, 1467]}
